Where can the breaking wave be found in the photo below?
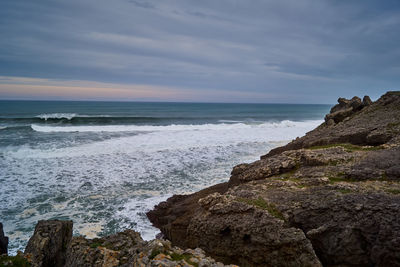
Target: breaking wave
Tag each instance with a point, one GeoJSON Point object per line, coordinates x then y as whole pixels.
{"type": "Point", "coordinates": [178, 127]}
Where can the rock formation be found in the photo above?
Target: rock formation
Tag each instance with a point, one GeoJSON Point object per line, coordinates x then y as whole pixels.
{"type": "Point", "coordinates": [47, 247]}
{"type": "Point", "coordinates": [330, 198]}
{"type": "Point", "coordinates": [375, 124]}
{"type": "Point", "coordinates": [3, 241]}
{"type": "Point", "coordinates": [52, 244]}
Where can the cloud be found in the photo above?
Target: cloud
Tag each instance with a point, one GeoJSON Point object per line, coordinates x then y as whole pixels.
{"type": "Point", "coordinates": [309, 50]}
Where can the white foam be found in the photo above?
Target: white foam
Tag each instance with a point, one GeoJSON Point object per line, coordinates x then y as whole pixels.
{"type": "Point", "coordinates": [67, 116]}
{"type": "Point", "coordinates": [175, 127]}
{"type": "Point", "coordinates": [122, 178]}
{"type": "Point", "coordinates": [135, 209]}
{"type": "Point", "coordinates": [3, 127]}
{"type": "Point", "coordinates": [156, 138]}
{"type": "Point", "coordinates": [229, 121]}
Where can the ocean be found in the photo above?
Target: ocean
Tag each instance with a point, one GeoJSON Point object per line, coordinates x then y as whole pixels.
{"type": "Point", "coordinates": [104, 164]}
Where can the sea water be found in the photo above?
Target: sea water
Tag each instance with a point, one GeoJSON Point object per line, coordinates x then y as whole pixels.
{"type": "Point", "coordinates": [104, 164]}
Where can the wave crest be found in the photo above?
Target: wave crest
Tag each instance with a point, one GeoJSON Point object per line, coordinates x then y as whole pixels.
{"type": "Point", "coordinates": [57, 116]}
{"type": "Point", "coordinates": [173, 127]}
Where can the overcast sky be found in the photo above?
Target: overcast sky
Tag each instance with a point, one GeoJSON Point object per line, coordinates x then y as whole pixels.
{"type": "Point", "coordinates": [308, 51]}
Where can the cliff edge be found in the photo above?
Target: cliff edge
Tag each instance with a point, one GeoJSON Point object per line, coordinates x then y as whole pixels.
{"type": "Point", "coordinates": [330, 198]}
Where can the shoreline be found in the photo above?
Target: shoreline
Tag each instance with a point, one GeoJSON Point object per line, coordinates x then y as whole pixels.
{"type": "Point", "coordinates": [321, 200]}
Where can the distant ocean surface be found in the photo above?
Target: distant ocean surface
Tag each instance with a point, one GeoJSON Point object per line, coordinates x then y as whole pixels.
{"type": "Point", "coordinates": [104, 164]}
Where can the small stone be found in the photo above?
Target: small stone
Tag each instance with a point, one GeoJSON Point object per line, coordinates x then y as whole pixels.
{"type": "Point", "coordinates": [160, 256]}
{"type": "Point", "coordinates": [195, 260]}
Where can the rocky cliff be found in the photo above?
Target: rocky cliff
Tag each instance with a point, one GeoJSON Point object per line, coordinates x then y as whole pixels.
{"type": "Point", "coordinates": [330, 198]}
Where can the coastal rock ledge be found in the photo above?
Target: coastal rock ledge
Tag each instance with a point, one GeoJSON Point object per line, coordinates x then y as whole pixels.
{"type": "Point", "coordinates": [330, 198]}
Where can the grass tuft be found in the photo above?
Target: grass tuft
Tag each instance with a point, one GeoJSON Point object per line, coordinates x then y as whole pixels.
{"type": "Point", "coordinates": [393, 191]}
{"type": "Point", "coordinates": [344, 191]}
{"type": "Point", "coordinates": [179, 257]}
{"type": "Point", "coordinates": [348, 147]}
{"type": "Point", "coordinates": [337, 179]}
{"type": "Point", "coordinates": [393, 92]}
{"type": "Point", "coordinates": [154, 253]}
{"type": "Point", "coordinates": [262, 204]}
{"type": "Point", "coordinates": [95, 245]}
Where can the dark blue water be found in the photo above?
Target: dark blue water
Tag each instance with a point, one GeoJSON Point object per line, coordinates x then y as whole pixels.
{"type": "Point", "coordinates": [104, 164]}
{"type": "Point", "coordinates": [100, 113]}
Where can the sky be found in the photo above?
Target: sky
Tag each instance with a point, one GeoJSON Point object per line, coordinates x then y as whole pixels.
{"type": "Point", "coordinates": [287, 51]}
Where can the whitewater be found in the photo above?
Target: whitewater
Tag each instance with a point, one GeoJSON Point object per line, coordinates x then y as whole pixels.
{"type": "Point", "coordinates": [104, 174]}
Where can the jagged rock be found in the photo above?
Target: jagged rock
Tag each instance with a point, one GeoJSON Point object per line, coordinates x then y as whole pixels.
{"type": "Point", "coordinates": [373, 125]}
{"type": "Point", "coordinates": [340, 115]}
{"type": "Point", "coordinates": [343, 104]}
{"type": "Point", "coordinates": [113, 250]}
{"type": "Point", "coordinates": [344, 109]}
{"type": "Point", "coordinates": [47, 246]}
{"type": "Point", "coordinates": [366, 101]}
{"type": "Point", "coordinates": [330, 197]}
{"type": "Point", "coordinates": [52, 245]}
{"type": "Point", "coordinates": [3, 241]}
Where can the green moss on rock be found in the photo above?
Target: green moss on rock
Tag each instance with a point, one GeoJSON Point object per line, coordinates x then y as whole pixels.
{"type": "Point", "coordinates": [348, 147]}
{"type": "Point", "coordinates": [262, 204]}
{"type": "Point", "coordinates": [15, 261]}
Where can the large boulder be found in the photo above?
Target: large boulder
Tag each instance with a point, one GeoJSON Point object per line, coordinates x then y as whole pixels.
{"type": "Point", "coordinates": [3, 241]}
{"type": "Point", "coordinates": [48, 245]}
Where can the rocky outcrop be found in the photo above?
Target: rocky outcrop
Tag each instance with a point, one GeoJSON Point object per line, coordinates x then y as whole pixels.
{"type": "Point", "coordinates": [3, 241]}
{"type": "Point", "coordinates": [346, 108]}
{"type": "Point", "coordinates": [113, 250]}
{"type": "Point", "coordinates": [48, 245]}
{"type": "Point", "coordinates": [183, 207]}
{"type": "Point", "coordinates": [372, 125]}
{"type": "Point", "coordinates": [248, 231]}
{"type": "Point", "coordinates": [52, 245]}
{"type": "Point", "coordinates": [331, 197]}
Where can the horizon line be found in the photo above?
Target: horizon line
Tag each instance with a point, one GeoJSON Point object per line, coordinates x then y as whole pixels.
{"type": "Point", "coordinates": [166, 101]}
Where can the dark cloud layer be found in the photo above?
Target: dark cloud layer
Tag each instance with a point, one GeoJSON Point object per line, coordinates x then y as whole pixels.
{"type": "Point", "coordinates": [294, 51]}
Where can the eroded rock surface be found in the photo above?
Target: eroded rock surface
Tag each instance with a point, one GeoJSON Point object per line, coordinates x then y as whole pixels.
{"type": "Point", "coordinates": [52, 245]}
{"type": "Point", "coordinates": [331, 197]}
{"type": "Point", "coordinates": [48, 245]}
{"type": "Point", "coordinates": [113, 250]}
{"type": "Point", "coordinates": [374, 124]}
